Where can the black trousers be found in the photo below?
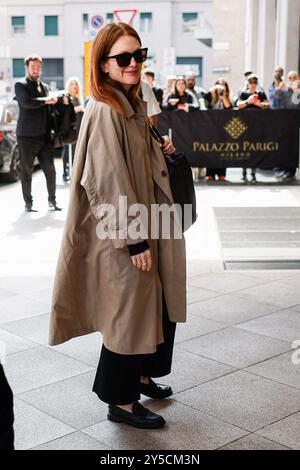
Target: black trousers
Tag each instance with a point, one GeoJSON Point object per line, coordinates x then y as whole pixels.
{"type": "Point", "coordinates": [118, 376]}
{"type": "Point", "coordinates": [65, 158]}
{"type": "Point", "coordinates": [40, 147]}
{"type": "Point", "coordinates": [6, 414]}
{"type": "Point", "coordinates": [215, 172]}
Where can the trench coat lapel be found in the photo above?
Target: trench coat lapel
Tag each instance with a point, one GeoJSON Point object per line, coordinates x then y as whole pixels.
{"type": "Point", "coordinates": [158, 164]}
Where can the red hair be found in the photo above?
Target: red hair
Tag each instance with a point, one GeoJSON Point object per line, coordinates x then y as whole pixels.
{"type": "Point", "coordinates": [102, 87]}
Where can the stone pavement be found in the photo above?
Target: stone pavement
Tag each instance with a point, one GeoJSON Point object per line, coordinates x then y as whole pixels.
{"type": "Point", "coordinates": [234, 381]}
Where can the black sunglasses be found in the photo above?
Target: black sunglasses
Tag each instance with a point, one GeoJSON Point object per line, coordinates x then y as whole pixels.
{"type": "Point", "coordinates": [123, 60]}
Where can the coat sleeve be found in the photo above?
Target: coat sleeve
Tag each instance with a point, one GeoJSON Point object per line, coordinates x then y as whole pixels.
{"type": "Point", "coordinates": [24, 98]}
{"type": "Point", "coordinates": [105, 178]}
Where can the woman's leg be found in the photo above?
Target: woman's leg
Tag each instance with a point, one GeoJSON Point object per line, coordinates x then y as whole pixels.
{"type": "Point", "coordinates": [118, 377]}
{"type": "Point", "coordinates": [159, 363]}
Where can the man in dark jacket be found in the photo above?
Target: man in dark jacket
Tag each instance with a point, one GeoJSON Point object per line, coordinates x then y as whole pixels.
{"type": "Point", "coordinates": [33, 130]}
{"type": "Point", "coordinates": [6, 414]}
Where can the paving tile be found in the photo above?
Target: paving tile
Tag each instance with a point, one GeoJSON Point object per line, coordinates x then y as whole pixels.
{"type": "Point", "coordinates": [284, 325]}
{"type": "Point", "coordinates": [32, 427]}
{"type": "Point", "coordinates": [14, 344]}
{"type": "Point", "coordinates": [223, 282]}
{"type": "Point", "coordinates": [271, 275]}
{"type": "Point", "coordinates": [18, 307]}
{"type": "Point", "coordinates": [26, 284]}
{"type": "Point", "coordinates": [243, 399]}
{"type": "Point", "coordinates": [277, 293]}
{"type": "Point", "coordinates": [71, 401]}
{"type": "Point", "coordinates": [285, 431]}
{"type": "Point", "coordinates": [40, 366]}
{"type": "Point", "coordinates": [5, 293]}
{"type": "Point", "coordinates": [34, 329]}
{"type": "Point", "coordinates": [280, 368]}
{"type": "Point", "coordinates": [292, 281]}
{"type": "Point", "coordinates": [186, 428]}
{"type": "Point", "coordinates": [195, 327]}
{"type": "Point", "coordinates": [231, 309]}
{"type": "Point", "coordinates": [253, 442]}
{"type": "Point", "coordinates": [85, 348]}
{"type": "Point", "coordinates": [195, 294]}
{"type": "Point", "coordinates": [189, 370]}
{"type": "Point", "coordinates": [74, 441]}
{"type": "Point", "coordinates": [236, 347]}
{"type": "Point", "coordinates": [194, 268]}
{"type": "Point", "coordinates": [44, 295]}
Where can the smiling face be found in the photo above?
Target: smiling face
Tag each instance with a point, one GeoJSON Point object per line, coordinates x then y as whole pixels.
{"type": "Point", "coordinates": [126, 76]}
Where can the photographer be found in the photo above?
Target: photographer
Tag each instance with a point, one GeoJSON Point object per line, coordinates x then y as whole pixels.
{"type": "Point", "coordinates": [218, 97]}
{"type": "Point", "coordinates": [180, 99]}
{"type": "Point", "coordinates": [253, 98]}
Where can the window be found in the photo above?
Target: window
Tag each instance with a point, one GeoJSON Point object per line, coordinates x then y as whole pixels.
{"type": "Point", "coordinates": [109, 17]}
{"type": "Point", "coordinates": [18, 68]}
{"type": "Point", "coordinates": [85, 22]}
{"type": "Point", "coordinates": [188, 64]}
{"type": "Point", "coordinates": [51, 26]}
{"type": "Point", "coordinates": [146, 22]}
{"type": "Point", "coordinates": [18, 24]}
{"type": "Point", "coordinates": [53, 72]}
{"type": "Point", "coordinates": [189, 22]}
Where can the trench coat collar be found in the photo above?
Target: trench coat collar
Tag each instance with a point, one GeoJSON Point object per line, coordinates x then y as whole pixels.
{"type": "Point", "coordinates": [129, 111]}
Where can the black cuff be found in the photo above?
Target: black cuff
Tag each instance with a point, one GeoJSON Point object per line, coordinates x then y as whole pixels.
{"type": "Point", "coordinates": [138, 248]}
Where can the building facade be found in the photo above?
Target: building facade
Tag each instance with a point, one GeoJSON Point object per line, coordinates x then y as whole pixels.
{"type": "Point", "coordinates": [272, 37]}
{"type": "Point", "coordinates": [212, 37]}
{"type": "Point", "coordinates": [178, 34]}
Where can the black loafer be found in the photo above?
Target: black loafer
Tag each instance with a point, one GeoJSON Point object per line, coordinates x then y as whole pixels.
{"type": "Point", "coordinates": [156, 391]}
{"type": "Point", "coordinates": [139, 418]}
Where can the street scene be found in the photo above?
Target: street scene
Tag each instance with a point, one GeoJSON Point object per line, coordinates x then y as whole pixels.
{"type": "Point", "coordinates": [172, 324]}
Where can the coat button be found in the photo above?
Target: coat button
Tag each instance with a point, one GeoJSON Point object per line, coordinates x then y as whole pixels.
{"type": "Point", "coordinates": [164, 173]}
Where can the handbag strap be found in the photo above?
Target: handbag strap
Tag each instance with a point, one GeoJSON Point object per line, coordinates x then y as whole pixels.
{"type": "Point", "coordinates": [156, 134]}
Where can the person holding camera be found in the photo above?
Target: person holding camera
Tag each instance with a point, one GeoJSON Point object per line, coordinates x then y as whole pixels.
{"type": "Point", "coordinates": [180, 99]}
{"type": "Point", "coordinates": [218, 97]}
{"type": "Point", "coordinates": [253, 97]}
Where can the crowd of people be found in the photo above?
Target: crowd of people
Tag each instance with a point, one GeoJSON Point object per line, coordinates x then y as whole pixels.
{"type": "Point", "coordinates": [183, 94]}
{"type": "Point", "coordinates": [180, 94]}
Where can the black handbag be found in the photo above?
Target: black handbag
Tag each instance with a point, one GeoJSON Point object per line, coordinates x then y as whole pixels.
{"type": "Point", "coordinates": [181, 183]}
{"type": "Point", "coordinates": [63, 124]}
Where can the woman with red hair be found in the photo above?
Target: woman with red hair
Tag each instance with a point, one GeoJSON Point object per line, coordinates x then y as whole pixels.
{"type": "Point", "coordinates": [126, 283]}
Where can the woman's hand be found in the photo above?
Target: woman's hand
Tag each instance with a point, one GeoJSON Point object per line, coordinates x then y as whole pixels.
{"type": "Point", "coordinates": [168, 147]}
{"type": "Point", "coordinates": [142, 261]}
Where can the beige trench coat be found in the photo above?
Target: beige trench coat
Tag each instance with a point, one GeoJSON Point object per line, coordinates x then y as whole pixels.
{"type": "Point", "coordinates": [96, 286]}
